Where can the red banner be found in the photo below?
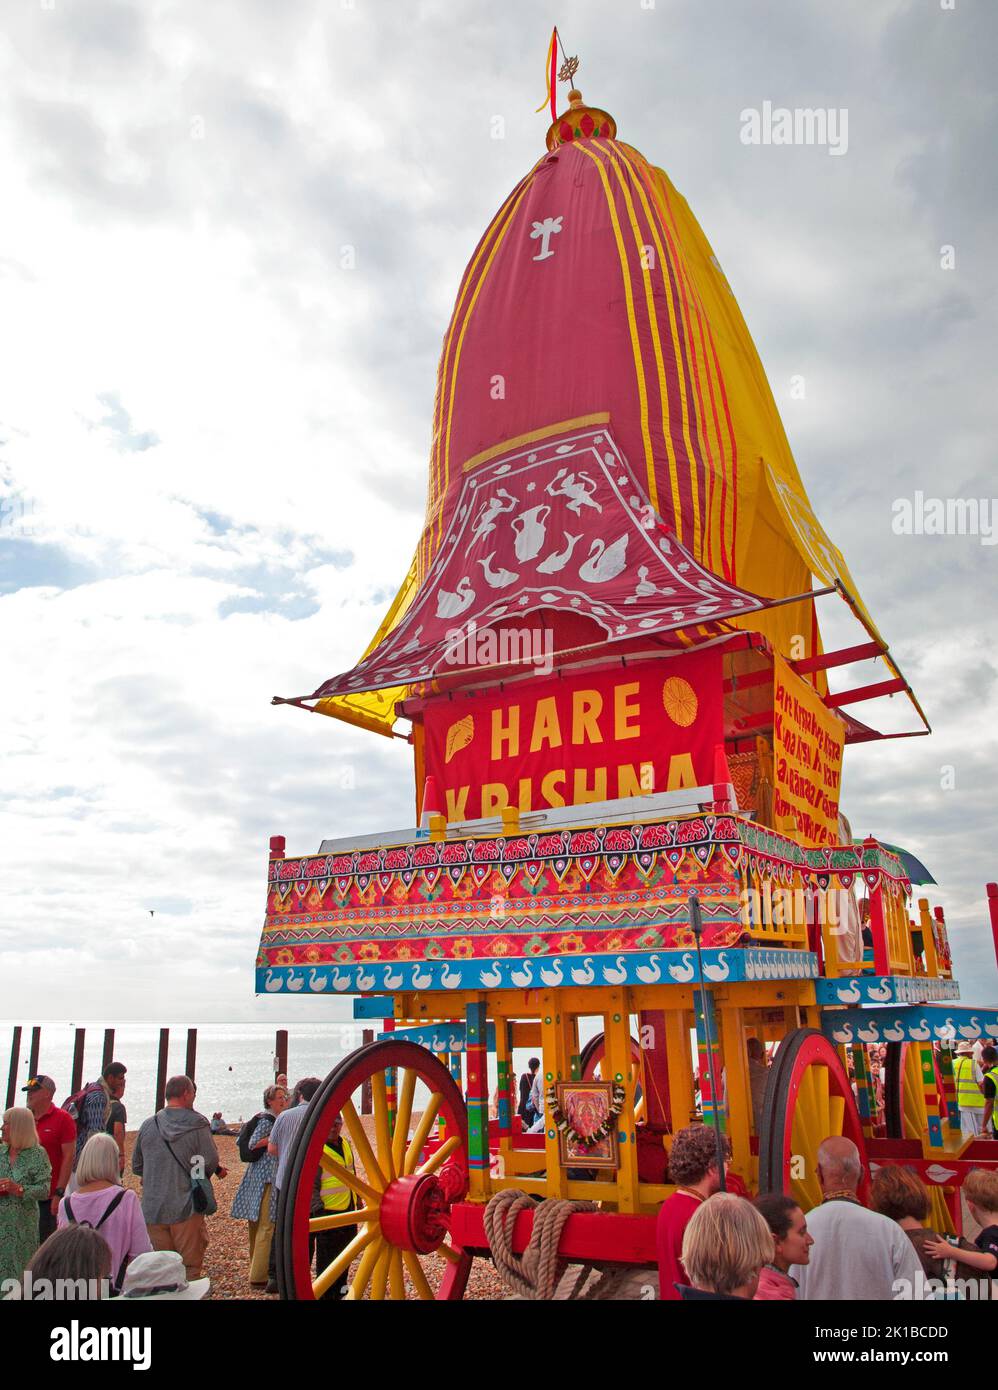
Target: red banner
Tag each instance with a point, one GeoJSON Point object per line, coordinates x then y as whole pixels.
{"type": "Point", "coordinates": [588, 737]}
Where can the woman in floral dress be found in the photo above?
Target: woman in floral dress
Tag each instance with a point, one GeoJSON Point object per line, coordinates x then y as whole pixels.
{"type": "Point", "coordinates": [252, 1201]}
{"type": "Point", "coordinates": [25, 1176]}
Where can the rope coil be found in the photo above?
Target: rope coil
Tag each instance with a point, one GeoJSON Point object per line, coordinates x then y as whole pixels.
{"type": "Point", "coordinates": [535, 1273]}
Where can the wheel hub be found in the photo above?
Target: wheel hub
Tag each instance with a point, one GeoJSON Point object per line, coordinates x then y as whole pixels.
{"type": "Point", "coordinates": [414, 1213]}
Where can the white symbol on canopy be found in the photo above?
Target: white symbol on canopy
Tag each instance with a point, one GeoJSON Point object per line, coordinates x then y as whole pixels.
{"type": "Point", "coordinates": [558, 559]}
{"type": "Point", "coordinates": [486, 519]}
{"type": "Point", "coordinates": [449, 605]}
{"type": "Point", "coordinates": [581, 493]}
{"type": "Point", "coordinates": [605, 562]}
{"type": "Point", "coordinates": [497, 579]}
{"type": "Point", "coordinates": [544, 232]}
{"type": "Point", "coordinates": [529, 530]}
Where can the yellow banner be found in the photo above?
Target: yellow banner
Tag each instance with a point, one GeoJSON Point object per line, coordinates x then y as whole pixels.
{"type": "Point", "coordinates": [807, 756]}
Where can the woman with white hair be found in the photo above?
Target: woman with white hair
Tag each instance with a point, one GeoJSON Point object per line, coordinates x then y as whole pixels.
{"type": "Point", "coordinates": [25, 1178]}
{"type": "Point", "coordinates": [725, 1247]}
{"type": "Point", "coordinates": [101, 1202]}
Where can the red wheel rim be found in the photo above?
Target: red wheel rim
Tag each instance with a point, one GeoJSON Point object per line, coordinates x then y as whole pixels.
{"type": "Point", "coordinates": [413, 1176]}
{"type": "Point", "coordinates": [808, 1098]}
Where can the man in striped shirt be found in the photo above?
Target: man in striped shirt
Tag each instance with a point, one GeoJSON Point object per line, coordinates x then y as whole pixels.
{"type": "Point", "coordinates": [282, 1139]}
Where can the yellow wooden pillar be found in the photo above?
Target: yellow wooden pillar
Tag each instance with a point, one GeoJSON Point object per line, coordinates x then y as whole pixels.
{"type": "Point", "coordinates": [617, 1067]}
{"type": "Point", "coordinates": [677, 1038]}
{"type": "Point", "coordinates": [737, 1090]}
{"type": "Point", "coordinates": [925, 925]}
{"type": "Point", "coordinates": [555, 1067]}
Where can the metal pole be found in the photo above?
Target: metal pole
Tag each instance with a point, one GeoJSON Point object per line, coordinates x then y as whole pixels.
{"type": "Point", "coordinates": [76, 1084]}
{"type": "Point", "coordinates": [15, 1057]}
{"type": "Point", "coordinates": [696, 924]}
{"type": "Point", "coordinates": [164, 1049]}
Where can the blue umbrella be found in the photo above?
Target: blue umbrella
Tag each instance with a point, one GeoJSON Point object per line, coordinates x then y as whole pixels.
{"type": "Point", "coordinates": [915, 870]}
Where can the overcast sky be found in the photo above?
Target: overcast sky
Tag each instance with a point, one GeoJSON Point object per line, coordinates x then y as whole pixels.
{"type": "Point", "coordinates": [214, 437]}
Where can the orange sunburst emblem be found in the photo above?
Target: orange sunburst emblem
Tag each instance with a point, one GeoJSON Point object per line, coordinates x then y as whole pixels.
{"type": "Point", "coordinates": [680, 701]}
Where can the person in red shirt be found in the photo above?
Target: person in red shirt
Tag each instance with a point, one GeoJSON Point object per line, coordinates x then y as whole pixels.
{"type": "Point", "coordinates": [693, 1168]}
{"type": "Point", "coordinates": [57, 1136]}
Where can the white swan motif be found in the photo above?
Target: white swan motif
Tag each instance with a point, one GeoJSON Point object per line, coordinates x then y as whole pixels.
{"type": "Point", "coordinates": [340, 982]}
{"type": "Point", "coordinates": [882, 993]}
{"type": "Point", "coordinates": [524, 978]}
{"type": "Point", "coordinates": [615, 975]}
{"type": "Point", "coordinates": [497, 579]}
{"type": "Point", "coordinates": [971, 1029]}
{"type": "Point", "coordinates": [317, 983]}
{"type": "Point", "coordinates": [558, 559]}
{"type": "Point", "coordinates": [393, 978]}
{"type": "Point", "coordinates": [649, 974]}
{"type": "Point", "coordinates": [851, 994]}
{"type": "Point", "coordinates": [295, 982]}
{"type": "Point", "coordinates": [751, 969]}
{"type": "Point", "coordinates": [605, 562]}
{"type": "Point", "coordinates": [552, 976]}
{"type": "Point", "coordinates": [272, 983]}
{"type": "Point", "coordinates": [720, 971]}
{"type": "Point", "coordinates": [945, 1030]}
{"type": "Point", "coordinates": [685, 971]}
{"type": "Point", "coordinates": [842, 1034]}
{"type": "Point", "coordinates": [584, 974]}
{"type": "Point", "coordinates": [922, 1034]}
{"type": "Point", "coordinates": [449, 604]}
{"type": "Point", "coordinates": [455, 1044]}
{"type": "Point", "coordinates": [450, 979]}
{"type": "Point", "coordinates": [491, 979]}
{"type": "Point", "coordinates": [365, 981]}
{"type": "Point", "coordinates": [895, 1034]}
{"type": "Point", "coordinates": [870, 1034]}
{"type": "Point", "coordinates": [991, 1029]}
{"type": "Point", "coordinates": [421, 979]}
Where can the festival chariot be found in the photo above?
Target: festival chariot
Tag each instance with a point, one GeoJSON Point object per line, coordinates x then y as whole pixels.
{"type": "Point", "coordinates": [630, 858]}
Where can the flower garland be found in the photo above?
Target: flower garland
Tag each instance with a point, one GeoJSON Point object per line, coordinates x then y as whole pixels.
{"type": "Point", "coordinates": [588, 1141]}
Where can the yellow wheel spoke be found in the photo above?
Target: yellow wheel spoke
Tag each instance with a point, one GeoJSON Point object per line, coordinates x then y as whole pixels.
{"type": "Point", "coordinates": [836, 1114]}
{"type": "Point", "coordinates": [449, 1253]}
{"type": "Point", "coordinates": [352, 1181]}
{"type": "Point", "coordinates": [380, 1281]}
{"type": "Point", "coordinates": [419, 1279]}
{"type": "Point", "coordinates": [402, 1118]}
{"type": "Point", "coordinates": [344, 1260]}
{"type": "Point", "coordinates": [422, 1130]}
{"type": "Point", "coordinates": [440, 1157]}
{"type": "Point", "coordinates": [396, 1278]}
{"type": "Point", "coordinates": [362, 1146]}
{"type": "Point", "coordinates": [382, 1126]}
{"type": "Point", "coordinates": [365, 1269]}
{"type": "Point", "coordinates": [335, 1220]}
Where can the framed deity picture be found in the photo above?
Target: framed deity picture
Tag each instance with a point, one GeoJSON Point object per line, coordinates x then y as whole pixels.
{"type": "Point", "coordinates": [587, 1124]}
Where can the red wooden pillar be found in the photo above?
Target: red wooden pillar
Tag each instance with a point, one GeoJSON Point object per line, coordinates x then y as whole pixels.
{"type": "Point", "coordinates": [878, 923]}
{"type": "Point", "coordinates": [651, 1030]}
{"type": "Point", "coordinates": [993, 909]}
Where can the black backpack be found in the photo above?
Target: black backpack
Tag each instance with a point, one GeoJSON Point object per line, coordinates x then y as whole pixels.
{"type": "Point", "coordinates": [247, 1154]}
{"type": "Point", "coordinates": [115, 1202]}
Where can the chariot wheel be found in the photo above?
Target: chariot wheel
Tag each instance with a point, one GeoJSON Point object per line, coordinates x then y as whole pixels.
{"type": "Point", "coordinates": [906, 1117]}
{"type": "Point", "coordinates": [398, 1248]}
{"type": "Point", "coordinates": [808, 1098]}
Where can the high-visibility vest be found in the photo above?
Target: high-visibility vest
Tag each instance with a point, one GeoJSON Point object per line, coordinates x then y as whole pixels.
{"type": "Point", "coordinates": [336, 1195]}
{"type": "Point", "coordinates": [992, 1076]}
{"type": "Point", "coordinates": [968, 1092]}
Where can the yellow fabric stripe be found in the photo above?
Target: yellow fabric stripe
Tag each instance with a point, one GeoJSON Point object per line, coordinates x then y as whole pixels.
{"type": "Point", "coordinates": [664, 261]}
{"type": "Point", "coordinates": [631, 320]}
{"type": "Point", "coordinates": [534, 436]}
{"type": "Point", "coordinates": [721, 524]}
{"type": "Point", "coordinates": [500, 237]}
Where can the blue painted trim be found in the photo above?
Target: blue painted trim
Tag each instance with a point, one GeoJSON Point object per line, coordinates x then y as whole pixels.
{"type": "Point", "coordinates": [727, 965]}
{"type": "Point", "coordinates": [372, 1006]}
{"type": "Point", "coordinates": [919, 1023]}
{"type": "Point", "coordinates": [884, 989]}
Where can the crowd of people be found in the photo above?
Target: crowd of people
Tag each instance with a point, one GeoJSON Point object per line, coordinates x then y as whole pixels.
{"type": "Point", "coordinates": [720, 1245]}
{"type": "Point", "coordinates": [66, 1215]}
